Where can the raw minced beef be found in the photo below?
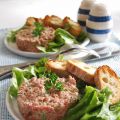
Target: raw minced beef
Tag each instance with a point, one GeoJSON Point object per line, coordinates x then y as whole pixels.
{"type": "Point", "coordinates": [26, 41]}
{"type": "Point", "coordinates": [35, 102]}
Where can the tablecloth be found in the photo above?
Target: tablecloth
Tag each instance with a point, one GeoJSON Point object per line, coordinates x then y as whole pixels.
{"type": "Point", "coordinates": [7, 57]}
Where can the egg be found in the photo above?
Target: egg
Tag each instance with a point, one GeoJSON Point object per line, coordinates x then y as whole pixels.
{"type": "Point", "coordinates": [83, 11]}
{"type": "Point", "coordinates": [99, 23]}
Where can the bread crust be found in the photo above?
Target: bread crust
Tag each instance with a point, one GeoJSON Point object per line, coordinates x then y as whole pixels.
{"type": "Point", "coordinates": [74, 68]}
{"type": "Point", "coordinates": [53, 21]}
{"type": "Point", "coordinates": [106, 77]}
{"type": "Point", "coordinates": [31, 20]}
{"type": "Point", "coordinates": [71, 26]}
{"type": "Point", "coordinates": [58, 67]}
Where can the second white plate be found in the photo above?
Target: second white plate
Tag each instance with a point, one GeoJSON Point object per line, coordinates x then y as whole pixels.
{"type": "Point", "coordinates": [13, 48]}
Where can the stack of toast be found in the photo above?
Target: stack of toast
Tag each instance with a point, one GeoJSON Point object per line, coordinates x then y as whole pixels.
{"type": "Point", "coordinates": [101, 77]}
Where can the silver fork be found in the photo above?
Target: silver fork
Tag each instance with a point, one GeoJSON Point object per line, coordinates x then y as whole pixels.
{"type": "Point", "coordinates": [78, 48]}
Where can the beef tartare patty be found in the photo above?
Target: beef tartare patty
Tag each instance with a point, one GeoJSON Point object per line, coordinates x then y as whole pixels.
{"type": "Point", "coordinates": [35, 102]}
{"type": "Point", "coordinates": [26, 41]}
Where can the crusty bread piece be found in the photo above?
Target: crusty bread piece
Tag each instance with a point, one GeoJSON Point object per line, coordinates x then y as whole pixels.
{"type": "Point", "coordinates": [81, 70]}
{"type": "Point", "coordinates": [71, 26]}
{"type": "Point", "coordinates": [57, 66]}
{"type": "Point", "coordinates": [31, 20]}
{"type": "Point", "coordinates": [53, 21]}
{"type": "Point", "coordinates": [106, 77]}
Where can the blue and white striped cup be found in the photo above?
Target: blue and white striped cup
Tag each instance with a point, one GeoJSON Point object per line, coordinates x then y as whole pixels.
{"type": "Point", "coordinates": [99, 23]}
{"type": "Point", "coordinates": [83, 11]}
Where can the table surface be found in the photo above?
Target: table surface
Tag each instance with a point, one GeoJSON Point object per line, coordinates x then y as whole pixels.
{"type": "Point", "coordinates": [14, 13]}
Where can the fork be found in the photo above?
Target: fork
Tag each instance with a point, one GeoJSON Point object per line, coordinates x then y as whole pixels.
{"type": "Point", "coordinates": [78, 48]}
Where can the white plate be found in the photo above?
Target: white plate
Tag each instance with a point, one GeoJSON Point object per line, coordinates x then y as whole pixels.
{"type": "Point", "coordinates": [12, 107]}
{"type": "Point", "coordinates": [13, 48]}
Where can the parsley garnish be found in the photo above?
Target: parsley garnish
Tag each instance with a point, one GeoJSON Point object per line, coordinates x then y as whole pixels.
{"type": "Point", "coordinates": [38, 29]}
{"type": "Point", "coordinates": [59, 86]}
{"type": "Point", "coordinates": [42, 72]}
{"type": "Point", "coordinates": [52, 83]}
{"type": "Point", "coordinates": [40, 67]}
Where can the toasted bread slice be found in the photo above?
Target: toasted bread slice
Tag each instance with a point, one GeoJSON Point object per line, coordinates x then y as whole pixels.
{"type": "Point", "coordinates": [71, 26]}
{"type": "Point", "coordinates": [81, 70]}
{"type": "Point", "coordinates": [57, 66]}
{"type": "Point", "coordinates": [106, 77]}
{"type": "Point", "coordinates": [53, 21]}
{"type": "Point", "coordinates": [31, 20]}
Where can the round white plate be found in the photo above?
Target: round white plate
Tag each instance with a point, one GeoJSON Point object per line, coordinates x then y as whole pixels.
{"type": "Point", "coordinates": [13, 48]}
{"type": "Point", "coordinates": [12, 107]}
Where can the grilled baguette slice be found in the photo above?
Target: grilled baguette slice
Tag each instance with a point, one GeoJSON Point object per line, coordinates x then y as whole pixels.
{"type": "Point", "coordinates": [81, 70]}
{"type": "Point", "coordinates": [31, 20]}
{"type": "Point", "coordinates": [53, 21]}
{"type": "Point", "coordinates": [106, 77]}
{"type": "Point", "coordinates": [58, 67]}
{"type": "Point", "coordinates": [71, 26]}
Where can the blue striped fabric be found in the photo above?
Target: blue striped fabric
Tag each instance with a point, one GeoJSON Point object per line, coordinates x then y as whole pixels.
{"type": "Point", "coordinates": [94, 31]}
{"type": "Point", "coordinates": [99, 19]}
{"type": "Point", "coordinates": [83, 11]}
{"type": "Point", "coordinates": [82, 23]}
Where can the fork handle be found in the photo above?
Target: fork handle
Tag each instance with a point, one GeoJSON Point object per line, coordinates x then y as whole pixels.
{"type": "Point", "coordinates": [5, 71]}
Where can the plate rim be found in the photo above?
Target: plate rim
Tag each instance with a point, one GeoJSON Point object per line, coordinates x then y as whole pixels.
{"type": "Point", "coordinates": [7, 99]}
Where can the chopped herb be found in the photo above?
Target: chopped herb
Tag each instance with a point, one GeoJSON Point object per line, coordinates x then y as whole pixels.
{"type": "Point", "coordinates": [52, 83]}
{"type": "Point", "coordinates": [41, 71]}
{"type": "Point", "coordinates": [38, 29]}
{"type": "Point", "coordinates": [59, 86]}
{"type": "Point", "coordinates": [52, 76]}
{"type": "Point", "coordinates": [40, 68]}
